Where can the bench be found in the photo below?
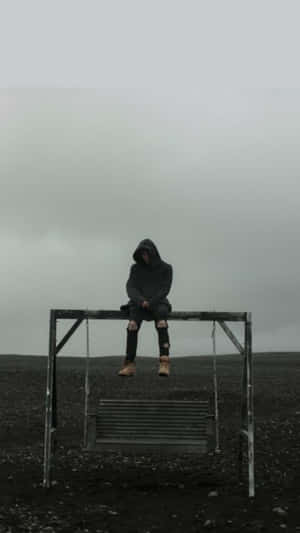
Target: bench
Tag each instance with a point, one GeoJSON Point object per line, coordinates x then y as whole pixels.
{"type": "Point", "coordinates": [150, 426]}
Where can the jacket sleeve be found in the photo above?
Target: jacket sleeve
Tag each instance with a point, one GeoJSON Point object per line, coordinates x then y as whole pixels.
{"type": "Point", "coordinates": [165, 287]}
{"type": "Point", "coordinates": [132, 288]}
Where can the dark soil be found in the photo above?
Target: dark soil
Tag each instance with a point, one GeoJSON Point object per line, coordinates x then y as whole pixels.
{"type": "Point", "coordinates": [112, 493]}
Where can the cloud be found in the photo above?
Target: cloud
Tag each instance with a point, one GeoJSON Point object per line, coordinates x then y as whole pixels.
{"type": "Point", "coordinates": [86, 175]}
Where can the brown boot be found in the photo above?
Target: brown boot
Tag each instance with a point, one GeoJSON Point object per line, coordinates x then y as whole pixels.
{"type": "Point", "coordinates": [164, 366]}
{"type": "Point", "coordinates": [128, 369]}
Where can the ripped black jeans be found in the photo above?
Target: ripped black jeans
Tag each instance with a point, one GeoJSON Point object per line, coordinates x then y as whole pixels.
{"type": "Point", "coordinates": [138, 314]}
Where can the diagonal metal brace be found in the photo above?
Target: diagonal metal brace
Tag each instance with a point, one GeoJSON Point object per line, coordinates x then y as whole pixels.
{"type": "Point", "coordinates": [68, 335]}
{"type": "Point", "coordinates": [231, 336]}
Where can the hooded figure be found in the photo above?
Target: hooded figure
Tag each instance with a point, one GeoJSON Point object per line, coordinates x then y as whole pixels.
{"type": "Point", "coordinates": [152, 281]}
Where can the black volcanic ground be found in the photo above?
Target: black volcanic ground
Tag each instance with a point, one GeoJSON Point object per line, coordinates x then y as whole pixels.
{"type": "Point", "coordinates": [112, 493]}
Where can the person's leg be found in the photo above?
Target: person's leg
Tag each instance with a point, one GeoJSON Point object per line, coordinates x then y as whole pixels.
{"type": "Point", "coordinates": [134, 324]}
{"type": "Point", "coordinates": [161, 325]}
{"type": "Point", "coordinates": [133, 327]}
{"type": "Point", "coordinates": [160, 316]}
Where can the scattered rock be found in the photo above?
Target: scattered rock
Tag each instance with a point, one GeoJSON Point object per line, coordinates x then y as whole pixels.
{"type": "Point", "coordinates": [279, 511]}
{"type": "Point", "coordinates": [209, 524]}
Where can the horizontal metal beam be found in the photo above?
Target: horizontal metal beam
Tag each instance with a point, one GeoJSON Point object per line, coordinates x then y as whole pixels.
{"type": "Point", "coordinates": [174, 315]}
{"type": "Point", "coordinates": [163, 449]}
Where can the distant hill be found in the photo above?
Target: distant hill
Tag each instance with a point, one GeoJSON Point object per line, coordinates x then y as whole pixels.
{"type": "Point", "coordinates": [191, 362]}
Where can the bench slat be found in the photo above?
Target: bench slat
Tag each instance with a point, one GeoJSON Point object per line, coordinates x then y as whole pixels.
{"type": "Point", "coordinates": [143, 448]}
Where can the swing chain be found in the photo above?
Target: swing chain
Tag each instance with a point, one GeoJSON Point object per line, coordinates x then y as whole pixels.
{"type": "Point", "coordinates": [213, 335]}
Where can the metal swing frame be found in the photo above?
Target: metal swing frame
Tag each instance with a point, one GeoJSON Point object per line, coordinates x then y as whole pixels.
{"type": "Point", "coordinates": [246, 433]}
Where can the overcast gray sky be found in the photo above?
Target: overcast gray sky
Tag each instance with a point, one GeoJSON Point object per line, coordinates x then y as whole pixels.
{"type": "Point", "coordinates": [175, 121]}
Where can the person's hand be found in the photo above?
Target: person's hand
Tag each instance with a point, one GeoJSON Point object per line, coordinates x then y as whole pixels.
{"type": "Point", "coordinates": [145, 304]}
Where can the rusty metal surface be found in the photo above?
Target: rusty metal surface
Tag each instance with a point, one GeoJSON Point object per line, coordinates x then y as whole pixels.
{"type": "Point", "coordinates": [174, 315]}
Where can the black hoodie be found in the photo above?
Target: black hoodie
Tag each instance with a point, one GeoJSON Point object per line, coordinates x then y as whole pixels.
{"type": "Point", "coordinates": [151, 282]}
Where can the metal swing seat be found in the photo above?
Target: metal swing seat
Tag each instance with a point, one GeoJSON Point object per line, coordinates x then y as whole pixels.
{"type": "Point", "coordinates": [149, 426]}
{"type": "Point", "coordinates": [152, 426]}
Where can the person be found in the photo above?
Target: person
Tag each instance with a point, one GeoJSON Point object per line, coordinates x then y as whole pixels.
{"type": "Point", "coordinates": [148, 285]}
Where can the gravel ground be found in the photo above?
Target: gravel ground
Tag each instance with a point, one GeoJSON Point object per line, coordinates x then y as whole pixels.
{"type": "Point", "coordinates": [109, 492]}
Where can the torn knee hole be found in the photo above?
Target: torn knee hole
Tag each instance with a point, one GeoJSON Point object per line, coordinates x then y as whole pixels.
{"type": "Point", "coordinates": [132, 326]}
{"type": "Point", "coordinates": [162, 324]}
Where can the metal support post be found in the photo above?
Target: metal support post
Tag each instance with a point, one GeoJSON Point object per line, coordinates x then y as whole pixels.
{"type": "Point", "coordinates": [50, 419]}
{"type": "Point", "coordinates": [243, 430]}
{"type": "Point", "coordinates": [216, 400]}
{"type": "Point", "coordinates": [250, 407]}
{"type": "Point", "coordinates": [87, 385]}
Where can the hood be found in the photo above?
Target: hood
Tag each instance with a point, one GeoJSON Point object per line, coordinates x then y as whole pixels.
{"type": "Point", "coordinates": [147, 244]}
